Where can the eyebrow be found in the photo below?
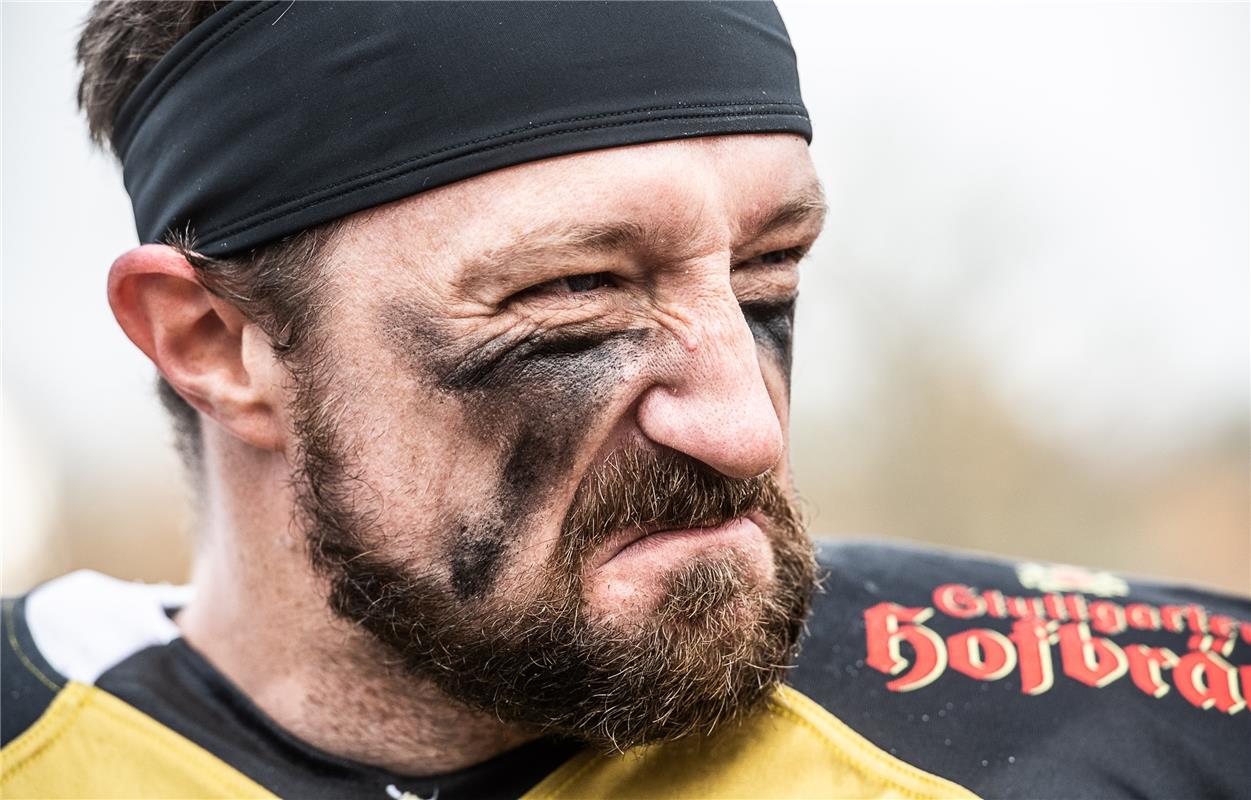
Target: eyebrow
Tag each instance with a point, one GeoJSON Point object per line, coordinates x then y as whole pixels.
{"type": "Point", "coordinates": [540, 246]}
{"type": "Point", "coordinates": [807, 207]}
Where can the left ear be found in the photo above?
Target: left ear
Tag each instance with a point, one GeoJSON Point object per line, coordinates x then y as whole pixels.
{"type": "Point", "coordinates": [210, 353]}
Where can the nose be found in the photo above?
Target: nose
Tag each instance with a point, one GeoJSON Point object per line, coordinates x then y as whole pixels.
{"type": "Point", "coordinates": [711, 402]}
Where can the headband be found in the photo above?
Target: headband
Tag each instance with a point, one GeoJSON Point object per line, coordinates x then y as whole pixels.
{"type": "Point", "coordinates": [271, 117]}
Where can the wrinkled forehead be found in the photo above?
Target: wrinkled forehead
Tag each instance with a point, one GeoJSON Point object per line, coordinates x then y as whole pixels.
{"type": "Point", "coordinates": [684, 197]}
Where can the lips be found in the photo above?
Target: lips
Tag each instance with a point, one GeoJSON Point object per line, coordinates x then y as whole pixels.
{"type": "Point", "coordinates": [640, 537]}
{"type": "Point", "coordinates": [621, 541]}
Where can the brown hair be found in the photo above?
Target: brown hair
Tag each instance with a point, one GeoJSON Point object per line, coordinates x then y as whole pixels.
{"type": "Point", "coordinates": [121, 41]}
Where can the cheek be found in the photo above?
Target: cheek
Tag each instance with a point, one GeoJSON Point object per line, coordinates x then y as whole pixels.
{"type": "Point", "coordinates": [535, 456]}
{"type": "Point", "coordinates": [536, 410]}
{"type": "Point", "coordinates": [772, 326]}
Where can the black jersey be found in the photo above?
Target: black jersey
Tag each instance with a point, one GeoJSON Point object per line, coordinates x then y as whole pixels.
{"type": "Point", "coordinates": [1030, 680]}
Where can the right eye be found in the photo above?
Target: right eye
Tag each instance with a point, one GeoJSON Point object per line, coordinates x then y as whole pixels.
{"type": "Point", "coordinates": [571, 284]}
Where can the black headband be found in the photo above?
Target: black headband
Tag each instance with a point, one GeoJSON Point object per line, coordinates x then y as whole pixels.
{"type": "Point", "coordinates": [272, 117]}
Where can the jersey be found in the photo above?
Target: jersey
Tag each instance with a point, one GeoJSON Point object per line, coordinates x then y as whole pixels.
{"type": "Point", "coordinates": [922, 674]}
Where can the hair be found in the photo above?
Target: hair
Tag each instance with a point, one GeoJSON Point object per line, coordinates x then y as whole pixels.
{"type": "Point", "coordinates": [273, 284]}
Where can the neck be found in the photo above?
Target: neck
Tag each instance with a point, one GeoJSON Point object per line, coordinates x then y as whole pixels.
{"type": "Point", "coordinates": [259, 615]}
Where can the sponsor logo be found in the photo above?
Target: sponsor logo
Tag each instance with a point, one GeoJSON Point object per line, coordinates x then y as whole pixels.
{"type": "Point", "coordinates": [1057, 634]}
{"type": "Point", "coordinates": [1065, 578]}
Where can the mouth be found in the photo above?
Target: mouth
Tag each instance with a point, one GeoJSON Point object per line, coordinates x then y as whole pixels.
{"type": "Point", "coordinates": [645, 544]}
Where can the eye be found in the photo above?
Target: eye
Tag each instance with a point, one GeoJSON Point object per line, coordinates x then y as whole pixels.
{"type": "Point", "coordinates": [775, 258]}
{"type": "Point", "coordinates": [570, 284]}
{"type": "Point", "coordinates": [584, 283]}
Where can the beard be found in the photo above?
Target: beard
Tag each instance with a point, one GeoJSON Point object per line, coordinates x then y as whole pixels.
{"type": "Point", "coordinates": [720, 638]}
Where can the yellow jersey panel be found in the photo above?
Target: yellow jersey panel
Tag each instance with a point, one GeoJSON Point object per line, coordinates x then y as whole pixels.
{"type": "Point", "coordinates": [792, 749]}
{"type": "Point", "coordinates": [89, 744]}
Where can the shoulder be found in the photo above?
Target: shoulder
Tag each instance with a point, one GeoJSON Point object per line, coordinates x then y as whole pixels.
{"type": "Point", "coordinates": [70, 630]}
{"type": "Point", "coordinates": [861, 576]}
{"type": "Point", "coordinates": [988, 671]}
{"type": "Point", "coordinates": [63, 735]}
{"type": "Point", "coordinates": [30, 683]}
{"type": "Point", "coordinates": [791, 748]}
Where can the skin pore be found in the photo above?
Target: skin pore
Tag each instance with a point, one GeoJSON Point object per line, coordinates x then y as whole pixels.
{"type": "Point", "coordinates": [507, 370]}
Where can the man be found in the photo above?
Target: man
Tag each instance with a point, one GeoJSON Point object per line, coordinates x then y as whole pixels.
{"type": "Point", "coordinates": [475, 324]}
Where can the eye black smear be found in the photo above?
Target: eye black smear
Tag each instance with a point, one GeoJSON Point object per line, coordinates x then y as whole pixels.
{"type": "Point", "coordinates": [772, 323]}
{"type": "Point", "coordinates": [504, 363]}
{"type": "Point", "coordinates": [532, 400]}
{"type": "Point", "coordinates": [476, 552]}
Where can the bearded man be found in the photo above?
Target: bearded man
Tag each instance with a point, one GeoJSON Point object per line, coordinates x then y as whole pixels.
{"type": "Point", "coordinates": [475, 323]}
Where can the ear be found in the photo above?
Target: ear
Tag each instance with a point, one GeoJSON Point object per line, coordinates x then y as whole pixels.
{"type": "Point", "coordinates": [208, 351]}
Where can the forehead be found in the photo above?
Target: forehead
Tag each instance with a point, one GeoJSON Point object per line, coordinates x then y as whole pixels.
{"type": "Point", "coordinates": [700, 194]}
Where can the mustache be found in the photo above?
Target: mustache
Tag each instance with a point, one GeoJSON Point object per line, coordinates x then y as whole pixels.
{"type": "Point", "coordinates": [661, 490]}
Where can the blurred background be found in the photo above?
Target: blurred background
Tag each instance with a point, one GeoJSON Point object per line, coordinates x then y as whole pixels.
{"type": "Point", "coordinates": [1025, 330]}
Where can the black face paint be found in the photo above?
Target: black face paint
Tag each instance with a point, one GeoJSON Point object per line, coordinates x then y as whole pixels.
{"type": "Point", "coordinates": [478, 547]}
{"type": "Point", "coordinates": [536, 356]}
{"type": "Point", "coordinates": [772, 324]}
{"type": "Point", "coordinates": [531, 399]}
{"type": "Point", "coordinates": [474, 557]}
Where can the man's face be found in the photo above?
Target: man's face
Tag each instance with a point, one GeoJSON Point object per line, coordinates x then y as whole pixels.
{"type": "Point", "coordinates": [543, 453]}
